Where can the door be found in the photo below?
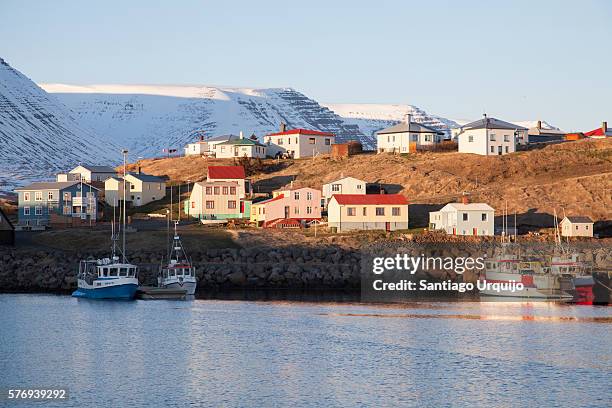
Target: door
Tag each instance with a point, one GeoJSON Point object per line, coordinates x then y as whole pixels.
{"type": "Point", "coordinates": [286, 211]}
{"type": "Point", "coordinates": [499, 150]}
{"type": "Point", "coordinates": [236, 151]}
{"type": "Point", "coordinates": [454, 231]}
{"type": "Point", "coordinates": [474, 231]}
{"type": "Point", "coordinates": [388, 226]}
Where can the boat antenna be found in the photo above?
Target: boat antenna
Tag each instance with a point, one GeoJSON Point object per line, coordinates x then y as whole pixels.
{"type": "Point", "coordinates": [125, 153]}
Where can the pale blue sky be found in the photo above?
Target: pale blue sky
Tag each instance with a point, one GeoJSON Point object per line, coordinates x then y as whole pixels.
{"type": "Point", "coordinates": [520, 60]}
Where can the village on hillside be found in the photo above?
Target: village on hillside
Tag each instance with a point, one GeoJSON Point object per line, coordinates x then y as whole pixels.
{"type": "Point", "coordinates": [240, 183]}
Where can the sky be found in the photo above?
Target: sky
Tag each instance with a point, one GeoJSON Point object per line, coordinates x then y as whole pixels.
{"type": "Point", "coordinates": [515, 60]}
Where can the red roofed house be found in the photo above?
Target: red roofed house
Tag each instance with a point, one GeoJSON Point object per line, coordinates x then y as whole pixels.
{"type": "Point", "coordinates": [601, 132]}
{"type": "Point", "coordinates": [299, 143]}
{"type": "Point", "coordinates": [288, 207]}
{"type": "Point", "coordinates": [233, 174]}
{"type": "Point", "coordinates": [346, 212]}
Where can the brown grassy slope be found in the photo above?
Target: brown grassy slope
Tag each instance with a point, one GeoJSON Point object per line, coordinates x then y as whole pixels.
{"type": "Point", "coordinates": [575, 177]}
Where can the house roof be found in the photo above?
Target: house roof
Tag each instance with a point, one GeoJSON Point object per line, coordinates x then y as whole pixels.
{"type": "Point", "coordinates": [579, 219]}
{"type": "Point", "coordinates": [535, 131]}
{"type": "Point", "coordinates": [345, 178]}
{"type": "Point", "coordinates": [242, 142]}
{"type": "Point", "coordinates": [3, 215]}
{"type": "Point", "coordinates": [402, 127]}
{"type": "Point", "coordinates": [269, 200]}
{"type": "Point", "coordinates": [599, 132]}
{"type": "Point", "coordinates": [467, 207]}
{"type": "Point", "coordinates": [491, 123]}
{"type": "Point", "coordinates": [222, 138]}
{"type": "Point", "coordinates": [146, 177]}
{"type": "Point", "coordinates": [226, 172]}
{"type": "Point", "coordinates": [97, 169]}
{"type": "Point", "coordinates": [370, 199]}
{"type": "Point", "coordinates": [52, 185]}
{"type": "Point", "coordinates": [301, 131]}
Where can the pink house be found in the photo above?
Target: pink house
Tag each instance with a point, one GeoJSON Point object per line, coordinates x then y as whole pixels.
{"type": "Point", "coordinates": [288, 207]}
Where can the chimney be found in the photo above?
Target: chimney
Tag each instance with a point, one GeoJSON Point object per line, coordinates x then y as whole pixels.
{"type": "Point", "coordinates": [138, 169]}
{"type": "Point", "coordinates": [201, 138]}
{"type": "Point", "coordinates": [408, 118]}
{"type": "Point", "coordinates": [241, 135]}
{"type": "Point", "coordinates": [539, 124]}
{"type": "Point", "coordinates": [464, 198]}
{"type": "Point", "coordinates": [604, 127]}
{"type": "Point", "coordinates": [283, 127]}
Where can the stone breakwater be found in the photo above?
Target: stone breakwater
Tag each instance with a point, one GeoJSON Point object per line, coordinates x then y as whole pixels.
{"type": "Point", "coordinates": [299, 268]}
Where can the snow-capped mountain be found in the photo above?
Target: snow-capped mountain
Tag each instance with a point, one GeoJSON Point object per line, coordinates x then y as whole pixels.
{"type": "Point", "coordinates": [150, 118]}
{"type": "Point", "coordinates": [38, 135]}
{"type": "Point", "coordinates": [371, 118]}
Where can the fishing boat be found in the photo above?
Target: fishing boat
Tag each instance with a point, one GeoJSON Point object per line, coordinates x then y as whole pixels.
{"type": "Point", "coordinates": [179, 272]}
{"type": "Point", "coordinates": [109, 278]}
{"type": "Point", "coordinates": [581, 273]}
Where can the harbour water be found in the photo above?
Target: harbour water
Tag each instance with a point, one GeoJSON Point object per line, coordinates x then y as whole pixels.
{"type": "Point", "coordinates": [255, 353]}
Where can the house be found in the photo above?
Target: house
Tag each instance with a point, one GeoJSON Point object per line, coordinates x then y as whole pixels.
{"type": "Point", "coordinates": [345, 185]}
{"type": "Point", "coordinates": [199, 148]}
{"type": "Point", "coordinates": [600, 133]}
{"type": "Point", "coordinates": [464, 219]}
{"type": "Point", "coordinates": [299, 143]}
{"type": "Point", "coordinates": [141, 189]}
{"type": "Point", "coordinates": [42, 204]}
{"type": "Point", "coordinates": [576, 227]}
{"type": "Point", "coordinates": [490, 136]}
{"type": "Point", "coordinates": [292, 206]}
{"type": "Point", "coordinates": [114, 191]}
{"type": "Point", "coordinates": [7, 230]}
{"type": "Point", "coordinates": [407, 137]}
{"type": "Point", "coordinates": [538, 134]}
{"type": "Point", "coordinates": [88, 174]}
{"type": "Point", "coordinates": [240, 147]}
{"type": "Point", "coordinates": [230, 173]}
{"type": "Point", "coordinates": [212, 142]}
{"type": "Point", "coordinates": [387, 212]}
{"type": "Point", "coordinates": [219, 200]}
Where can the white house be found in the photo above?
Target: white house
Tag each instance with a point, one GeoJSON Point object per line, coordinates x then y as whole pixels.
{"type": "Point", "coordinates": [240, 147]}
{"type": "Point", "coordinates": [212, 142]}
{"type": "Point", "coordinates": [299, 143]}
{"type": "Point", "coordinates": [345, 185]}
{"type": "Point", "coordinates": [88, 174]}
{"type": "Point", "coordinates": [230, 174]}
{"type": "Point", "coordinates": [407, 137]}
{"type": "Point", "coordinates": [577, 227]}
{"type": "Point", "coordinates": [490, 136]}
{"type": "Point", "coordinates": [141, 189]}
{"type": "Point", "coordinates": [464, 219]}
{"type": "Point", "coordinates": [198, 148]}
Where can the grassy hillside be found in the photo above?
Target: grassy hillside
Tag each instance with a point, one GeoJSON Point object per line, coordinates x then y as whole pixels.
{"type": "Point", "coordinates": [573, 178]}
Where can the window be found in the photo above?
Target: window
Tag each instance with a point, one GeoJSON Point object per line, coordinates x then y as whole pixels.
{"type": "Point", "coordinates": [210, 205]}
{"type": "Point", "coordinates": [113, 272]}
{"type": "Point", "coordinates": [576, 228]}
{"type": "Point", "coordinates": [231, 204]}
{"type": "Point", "coordinates": [296, 195]}
{"type": "Point", "coordinates": [67, 210]}
{"type": "Point", "coordinates": [492, 137]}
{"type": "Point", "coordinates": [506, 138]}
{"type": "Point", "coordinates": [222, 149]}
{"type": "Point", "coordinates": [217, 189]}
{"type": "Point", "coordinates": [380, 211]}
{"type": "Point", "coordinates": [280, 141]}
{"type": "Point", "coordinates": [50, 195]}
{"type": "Point", "coordinates": [507, 149]}
{"type": "Point", "coordinates": [483, 217]}
{"type": "Point", "coordinates": [123, 271]}
{"type": "Point", "coordinates": [232, 190]}
{"type": "Point", "coordinates": [38, 210]}
{"type": "Point", "coordinates": [365, 211]}
{"type": "Point", "coordinates": [38, 196]}
{"type": "Point", "coordinates": [132, 187]}
{"type": "Point", "coordinates": [336, 187]}
{"type": "Point", "coordinates": [470, 138]}
{"type": "Point", "coordinates": [193, 204]}
{"type": "Point", "coordinates": [358, 186]}
{"type": "Point", "coordinates": [309, 196]}
{"type": "Point", "coordinates": [149, 187]}
{"type": "Point", "coordinates": [296, 210]}
{"type": "Point", "coordinates": [225, 190]}
{"type": "Point", "coordinates": [492, 149]}
{"type": "Point", "coordinates": [26, 210]}
{"type": "Point", "coordinates": [26, 196]}
{"type": "Point", "coordinates": [351, 211]}
{"type": "Point", "coordinates": [428, 138]}
{"type": "Point", "coordinates": [465, 216]}
{"type": "Point", "coordinates": [208, 190]}
{"type": "Point", "coordinates": [308, 210]}
{"type": "Point", "coordinates": [327, 142]}
{"type": "Point", "coordinates": [395, 211]}
{"type": "Point", "coordinates": [311, 140]}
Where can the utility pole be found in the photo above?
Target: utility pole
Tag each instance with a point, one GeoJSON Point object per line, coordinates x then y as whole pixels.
{"type": "Point", "coordinates": [125, 154]}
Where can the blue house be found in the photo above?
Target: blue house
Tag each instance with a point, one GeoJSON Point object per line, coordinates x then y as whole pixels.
{"type": "Point", "coordinates": [42, 204]}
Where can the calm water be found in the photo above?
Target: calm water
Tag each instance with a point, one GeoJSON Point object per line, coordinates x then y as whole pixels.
{"type": "Point", "coordinates": [232, 353]}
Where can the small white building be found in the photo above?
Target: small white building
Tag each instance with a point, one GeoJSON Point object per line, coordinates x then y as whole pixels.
{"type": "Point", "coordinates": [212, 142]}
{"type": "Point", "coordinates": [345, 185]}
{"type": "Point", "coordinates": [490, 137]}
{"type": "Point", "coordinates": [240, 147]}
{"type": "Point", "coordinates": [577, 227]}
{"type": "Point", "coordinates": [141, 189]}
{"type": "Point", "coordinates": [299, 143]}
{"type": "Point", "coordinates": [407, 137]}
{"type": "Point", "coordinates": [464, 219]}
{"type": "Point", "coordinates": [88, 174]}
{"type": "Point", "coordinates": [199, 148]}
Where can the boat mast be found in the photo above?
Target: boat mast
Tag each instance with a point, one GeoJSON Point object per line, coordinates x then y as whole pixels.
{"type": "Point", "coordinates": [125, 153]}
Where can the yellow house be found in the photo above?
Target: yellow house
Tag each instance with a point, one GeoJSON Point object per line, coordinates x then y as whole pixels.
{"type": "Point", "coordinates": [346, 212]}
{"type": "Point", "coordinates": [145, 188]}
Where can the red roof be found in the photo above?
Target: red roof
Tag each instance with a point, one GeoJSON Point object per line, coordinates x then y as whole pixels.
{"type": "Point", "coordinates": [595, 132]}
{"type": "Point", "coordinates": [278, 197]}
{"type": "Point", "coordinates": [226, 172]}
{"type": "Point", "coordinates": [370, 199]}
{"type": "Point", "coordinates": [301, 132]}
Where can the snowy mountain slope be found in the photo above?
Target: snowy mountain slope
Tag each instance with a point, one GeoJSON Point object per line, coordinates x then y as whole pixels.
{"type": "Point", "coordinates": [38, 135]}
{"type": "Point", "coordinates": [371, 118]}
{"type": "Point", "coordinates": [150, 118]}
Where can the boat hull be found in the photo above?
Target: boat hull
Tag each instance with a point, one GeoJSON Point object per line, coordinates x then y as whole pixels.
{"type": "Point", "coordinates": [189, 287]}
{"type": "Point", "coordinates": [125, 291]}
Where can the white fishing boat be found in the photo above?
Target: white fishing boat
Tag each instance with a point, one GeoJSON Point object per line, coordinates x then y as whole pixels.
{"type": "Point", "coordinates": [109, 278]}
{"type": "Point", "coordinates": [179, 272]}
